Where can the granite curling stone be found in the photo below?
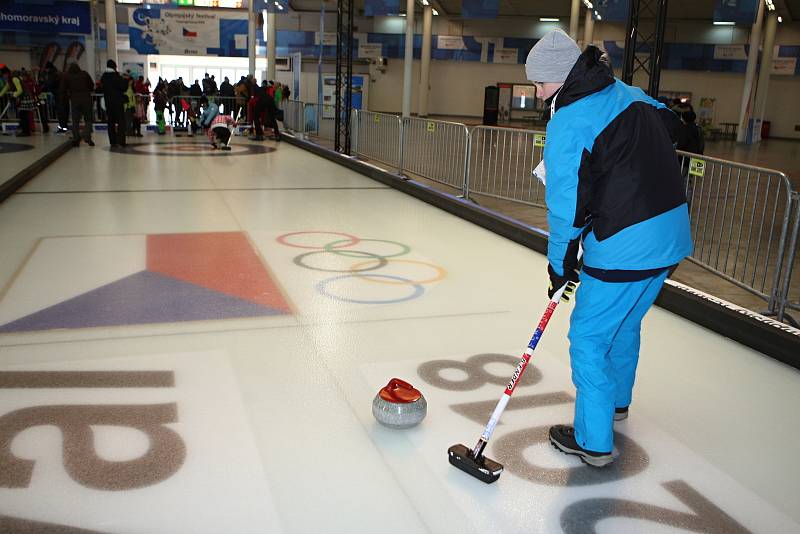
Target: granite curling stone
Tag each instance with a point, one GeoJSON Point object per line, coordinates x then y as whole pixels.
{"type": "Point", "coordinates": [399, 405]}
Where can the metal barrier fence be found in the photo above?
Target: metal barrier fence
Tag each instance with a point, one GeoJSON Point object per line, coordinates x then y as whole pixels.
{"type": "Point", "coordinates": [436, 150]}
{"type": "Point", "coordinates": [293, 115]}
{"type": "Point", "coordinates": [319, 121]}
{"type": "Point", "coordinates": [379, 137]}
{"type": "Point", "coordinates": [791, 277]}
{"type": "Point", "coordinates": [501, 163]}
{"type": "Point", "coordinates": [739, 217]}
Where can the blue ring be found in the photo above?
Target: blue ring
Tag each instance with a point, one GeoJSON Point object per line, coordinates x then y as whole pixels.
{"type": "Point", "coordinates": [418, 289]}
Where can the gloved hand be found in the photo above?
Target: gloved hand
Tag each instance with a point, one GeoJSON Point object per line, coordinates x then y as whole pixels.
{"type": "Point", "coordinates": [571, 278]}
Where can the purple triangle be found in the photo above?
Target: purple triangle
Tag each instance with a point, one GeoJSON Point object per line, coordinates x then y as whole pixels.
{"type": "Point", "coordinates": [141, 298]}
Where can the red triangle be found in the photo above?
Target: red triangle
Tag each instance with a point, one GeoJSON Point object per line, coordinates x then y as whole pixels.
{"type": "Point", "coordinates": [221, 261]}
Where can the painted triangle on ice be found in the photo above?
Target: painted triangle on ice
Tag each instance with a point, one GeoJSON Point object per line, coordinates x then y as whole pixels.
{"type": "Point", "coordinates": [141, 298]}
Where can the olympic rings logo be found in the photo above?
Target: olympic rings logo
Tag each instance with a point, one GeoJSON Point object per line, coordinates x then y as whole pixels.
{"type": "Point", "coordinates": [363, 264]}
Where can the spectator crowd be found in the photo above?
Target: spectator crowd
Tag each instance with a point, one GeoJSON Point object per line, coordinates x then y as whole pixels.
{"type": "Point", "coordinates": [123, 100]}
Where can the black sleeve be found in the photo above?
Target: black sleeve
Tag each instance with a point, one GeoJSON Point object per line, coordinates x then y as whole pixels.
{"type": "Point", "coordinates": [672, 123]}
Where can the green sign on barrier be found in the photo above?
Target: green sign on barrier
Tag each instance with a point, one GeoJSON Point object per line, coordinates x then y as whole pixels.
{"type": "Point", "coordinates": [697, 167]}
{"type": "Point", "coordinates": [538, 140]}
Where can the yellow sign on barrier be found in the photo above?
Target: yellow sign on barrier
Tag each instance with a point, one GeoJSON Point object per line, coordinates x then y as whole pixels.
{"type": "Point", "coordinates": [538, 140]}
{"type": "Point", "coordinates": [697, 167]}
{"type": "Point", "coordinates": [377, 118]}
{"type": "Point", "coordinates": [431, 126]}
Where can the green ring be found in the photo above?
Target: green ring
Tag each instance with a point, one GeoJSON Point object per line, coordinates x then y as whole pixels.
{"type": "Point", "coordinates": [330, 247]}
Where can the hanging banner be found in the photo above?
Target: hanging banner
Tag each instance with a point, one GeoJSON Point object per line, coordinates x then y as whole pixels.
{"type": "Point", "coordinates": [735, 10]}
{"type": "Point", "coordinates": [188, 32]}
{"type": "Point", "coordinates": [370, 50]}
{"type": "Point", "coordinates": [297, 69]}
{"type": "Point", "coordinates": [450, 42]}
{"type": "Point", "coordinates": [377, 8]}
{"type": "Point", "coordinates": [328, 38]}
{"type": "Point", "coordinates": [730, 52]}
{"type": "Point", "coordinates": [784, 66]}
{"type": "Point", "coordinates": [480, 9]}
{"type": "Point", "coordinates": [58, 17]}
{"type": "Point", "coordinates": [505, 55]}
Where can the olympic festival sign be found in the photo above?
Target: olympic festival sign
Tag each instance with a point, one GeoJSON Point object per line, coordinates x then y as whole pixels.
{"type": "Point", "coordinates": [190, 32]}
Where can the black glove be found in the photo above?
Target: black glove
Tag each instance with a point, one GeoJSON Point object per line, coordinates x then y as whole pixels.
{"type": "Point", "coordinates": [571, 278]}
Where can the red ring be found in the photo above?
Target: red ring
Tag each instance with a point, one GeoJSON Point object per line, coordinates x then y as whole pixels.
{"type": "Point", "coordinates": [282, 239]}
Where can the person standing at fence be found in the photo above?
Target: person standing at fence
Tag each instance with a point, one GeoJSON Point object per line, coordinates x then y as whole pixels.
{"type": "Point", "coordinates": [613, 186]}
{"type": "Point", "coordinates": [242, 93]}
{"type": "Point", "coordinates": [26, 101]}
{"type": "Point", "coordinates": [271, 116]}
{"type": "Point", "coordinates": [132, 116]}
{"type": "Point", "coordinates": [76, 87]}
{"type": "Point", "coordinates": [114, 87]}
{"type": "Point", "coordinates": [60, 101]}
{"type": "Point", "coordinates": [226, 91]}
{"type": "Point", "coordinates": [160, 104]}
{"type": "Point", "coordinates": [50, 80]}
{"type": "Point", "coordinates": [14, 87]}
{"type": "Point", "coordinates": [258, 104]}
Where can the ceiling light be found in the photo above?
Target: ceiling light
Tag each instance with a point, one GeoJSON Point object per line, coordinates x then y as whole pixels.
{"type": "Point", "coordinates": [588, 4]}
{"type": "Point", "coordinates": [548, 19]}
{"type": "Point", "coordinates": [425, 3]}
{"type": "Point", "coordinates": [780, 19]}
{"type": "Point", "coordinates": [723, 23]}
{"type": "Point", "coordinates": [435, 12]}
{"type": "Point", "coordinates": [770, 5]}
{"type": "Point", "coordinates": [402, 15]}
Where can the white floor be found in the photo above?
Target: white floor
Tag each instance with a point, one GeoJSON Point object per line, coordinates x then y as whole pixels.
{"type": "Point", "coordinates": [268, 426]}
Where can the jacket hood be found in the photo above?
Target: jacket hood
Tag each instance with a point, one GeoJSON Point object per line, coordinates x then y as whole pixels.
{"type": "Point", "coordinates": [591, 73]}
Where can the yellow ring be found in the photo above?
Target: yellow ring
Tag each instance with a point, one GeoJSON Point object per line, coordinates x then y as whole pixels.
{"type": "Point", "coordinates": [442, 272]}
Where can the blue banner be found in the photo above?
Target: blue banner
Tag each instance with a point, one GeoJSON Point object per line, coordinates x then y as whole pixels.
{"type": "Point", "coordinates": [58, 17]}
{"type": "Point", "coordinates": [735, 11]}
{"type": "Point", "coordinates": [377, 8]}
{"type": "Point", "coordinates": [480, 9]}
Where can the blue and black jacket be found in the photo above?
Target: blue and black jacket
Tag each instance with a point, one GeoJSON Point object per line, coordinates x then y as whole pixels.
{"type": "Point", "coordinates": [613, 178]}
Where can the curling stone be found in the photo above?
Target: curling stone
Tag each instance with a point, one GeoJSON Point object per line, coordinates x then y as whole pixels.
{"type": "Point", "coordinates": [399, 405]}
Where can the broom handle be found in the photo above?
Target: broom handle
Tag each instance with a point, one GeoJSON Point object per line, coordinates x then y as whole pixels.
{"type": "Point", "coordinates": [477, 451]}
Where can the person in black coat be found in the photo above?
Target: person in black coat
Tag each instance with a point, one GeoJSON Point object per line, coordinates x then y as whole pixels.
{"type": "Point", "coordinates": [114, 87]}
{"type": "Point", "coordinates": [691, 135]}
{"type": "Point", "coordinates": [76, 89]}
{"type": "Point", "coordinates": [228, 95]}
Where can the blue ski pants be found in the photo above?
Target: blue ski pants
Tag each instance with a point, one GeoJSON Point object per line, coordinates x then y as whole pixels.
{"type": "Point", "coordinates": [604, 351]}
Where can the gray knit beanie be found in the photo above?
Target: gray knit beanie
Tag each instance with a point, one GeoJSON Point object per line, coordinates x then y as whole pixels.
{"type": "Point", "coordinates": [551, 59]}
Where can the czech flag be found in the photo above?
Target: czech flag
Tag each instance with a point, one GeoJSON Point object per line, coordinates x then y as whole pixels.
{"type": "Point", "coordinates": [187, 33]}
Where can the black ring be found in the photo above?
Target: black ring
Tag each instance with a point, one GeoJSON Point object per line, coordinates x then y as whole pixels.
{"type": "Point", "coordinates": [139, 149]}
{"type": "Point", "coordinates": [298, 260]}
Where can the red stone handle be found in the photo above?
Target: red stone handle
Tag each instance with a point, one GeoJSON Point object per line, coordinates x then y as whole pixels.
{"type": "Point", "coordinates": [398, 390]}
